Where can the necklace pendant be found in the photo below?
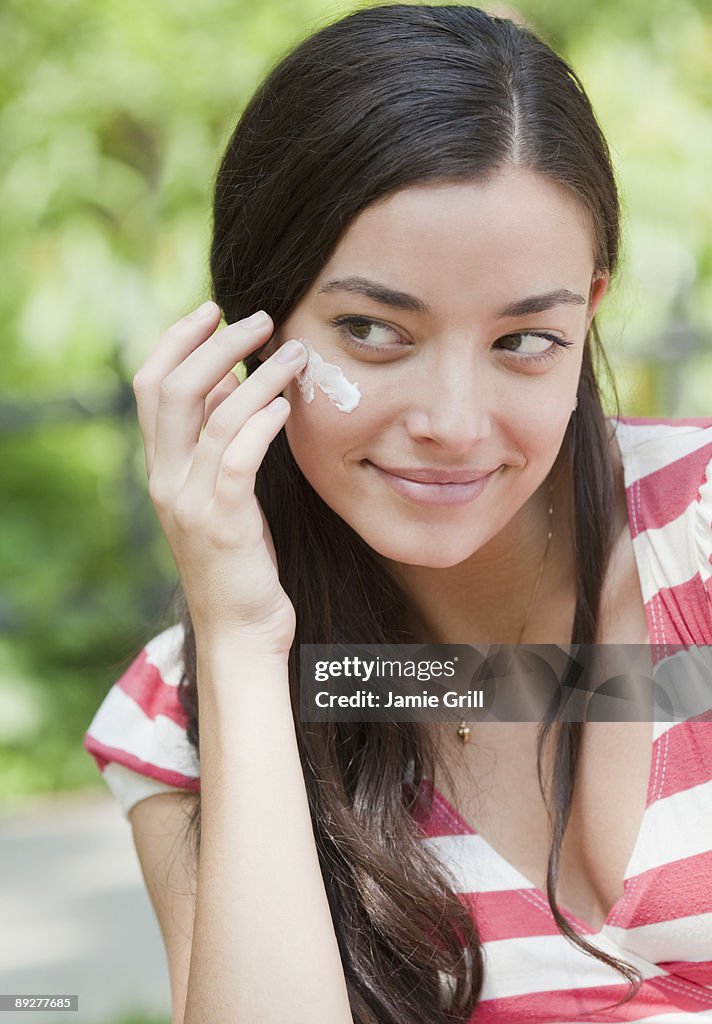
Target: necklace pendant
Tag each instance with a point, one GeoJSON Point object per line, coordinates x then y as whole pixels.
{"type": "Point", "coordinates": [463, 731]}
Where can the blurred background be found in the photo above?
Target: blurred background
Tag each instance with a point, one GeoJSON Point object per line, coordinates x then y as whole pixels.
{"type": "Point", "coordinates": [113, 118]}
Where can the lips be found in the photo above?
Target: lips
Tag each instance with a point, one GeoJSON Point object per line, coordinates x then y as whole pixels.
{"type": "Point", "coordinates": [427, 492]}
{"type": "Point", "coordinates": [436, 476]}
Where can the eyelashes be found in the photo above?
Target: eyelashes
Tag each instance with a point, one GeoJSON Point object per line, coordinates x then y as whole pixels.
{"type": "Point", "coordinates": [345, 325]}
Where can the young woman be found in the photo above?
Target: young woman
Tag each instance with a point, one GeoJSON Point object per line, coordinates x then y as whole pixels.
{"type": "Point", "coordinates": [424, 197]}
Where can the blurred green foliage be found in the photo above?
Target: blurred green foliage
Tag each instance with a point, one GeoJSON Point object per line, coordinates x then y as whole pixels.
{"type": "Point", "coordinates": [113, 118]}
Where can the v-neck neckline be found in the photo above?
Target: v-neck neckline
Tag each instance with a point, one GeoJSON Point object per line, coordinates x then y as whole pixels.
{"type": "Point", "coordinates": [615, 911]}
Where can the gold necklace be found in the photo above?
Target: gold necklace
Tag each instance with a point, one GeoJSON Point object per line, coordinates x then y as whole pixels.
{"type": "Point", "coordinates": [463, 730]}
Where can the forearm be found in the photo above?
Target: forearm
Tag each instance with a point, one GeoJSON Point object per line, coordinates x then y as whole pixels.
{"type": "Point", "coordinates": [264, 948]}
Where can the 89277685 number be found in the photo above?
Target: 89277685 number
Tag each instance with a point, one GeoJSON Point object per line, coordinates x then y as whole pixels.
{"type": "Point", "coordinates": [39, 1002]}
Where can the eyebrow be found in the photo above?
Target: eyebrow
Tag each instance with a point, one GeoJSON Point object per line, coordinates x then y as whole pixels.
{"type": "Point", "coordinates": [412, 304]}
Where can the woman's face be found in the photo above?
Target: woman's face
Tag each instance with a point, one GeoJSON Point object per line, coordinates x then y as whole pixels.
{"type": "Point", "coordinates": [450, 377]}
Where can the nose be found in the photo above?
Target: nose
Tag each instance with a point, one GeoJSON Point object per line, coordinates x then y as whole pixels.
{"type": "Point", "coordinates": [454, 407]}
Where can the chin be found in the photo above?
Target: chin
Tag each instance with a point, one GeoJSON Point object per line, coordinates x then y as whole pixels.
{"type": "Point", "coordinates": [428, 556]}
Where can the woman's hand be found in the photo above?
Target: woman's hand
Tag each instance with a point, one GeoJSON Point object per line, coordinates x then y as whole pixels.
{"type": "Point", "coordinates": [202, 484]}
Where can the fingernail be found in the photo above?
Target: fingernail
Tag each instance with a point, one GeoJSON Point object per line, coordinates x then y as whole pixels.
{"type": "Point", "coordinates": [291, 352]}
{"type": "Point", "coordinates": [202, 311]}
{"type": "Point", "coordinates": [258, 319]}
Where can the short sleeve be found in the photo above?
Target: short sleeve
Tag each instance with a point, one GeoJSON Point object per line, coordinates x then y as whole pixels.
{"type": "Point", "coordinates": [138, 736]}
{"type": "Point", "coordinates": [668, 476]}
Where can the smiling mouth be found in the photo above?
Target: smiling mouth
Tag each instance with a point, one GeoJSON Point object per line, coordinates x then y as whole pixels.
{"type": "Point", "coordinates": [429, 492]}
{"type": "Point", "coordinates": [425, 475]}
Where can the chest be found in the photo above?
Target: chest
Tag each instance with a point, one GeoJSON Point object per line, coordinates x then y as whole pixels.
{"type": "Point", "coordinates": [498, 795]}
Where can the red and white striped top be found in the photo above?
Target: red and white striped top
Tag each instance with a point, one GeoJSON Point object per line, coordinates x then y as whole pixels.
{"type": "Point", "coordinates": [663, 922]}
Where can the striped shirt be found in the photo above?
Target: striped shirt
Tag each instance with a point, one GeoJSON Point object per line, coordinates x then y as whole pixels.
{"type": "Point", "coordinates": [662, 924]}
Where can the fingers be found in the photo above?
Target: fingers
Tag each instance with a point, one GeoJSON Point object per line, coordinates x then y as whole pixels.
{"type": "Point", "coordinates": [181, 399]}
{"type": "Point", "coordinates": [181, 338]}
{"type": "Point", "coordinates": [235, 483]}
{"type": "Point", "coordinates": [189, 361]}
{"type": "Point", "coordinates": [223, 390]}
{"type": "Point", "coordinates": [229, 421]}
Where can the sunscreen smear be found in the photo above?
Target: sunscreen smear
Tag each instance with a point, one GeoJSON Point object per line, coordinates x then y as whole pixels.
{"type": "Point", "coordinates": [341, 392]}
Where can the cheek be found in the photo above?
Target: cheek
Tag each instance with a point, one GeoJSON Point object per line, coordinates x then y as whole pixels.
{"type": "Point", "coordinates": [317, 434]}
{"type": "Point", "coordinates": [538, 409]}
{"type": "Point", "coordinates": [328, 424]}
{"type": "Point", "coordinates": [538, 431]}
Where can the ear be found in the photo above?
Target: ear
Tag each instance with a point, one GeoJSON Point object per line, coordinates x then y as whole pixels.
{"type": "Point", "coordinates": [599, 287]}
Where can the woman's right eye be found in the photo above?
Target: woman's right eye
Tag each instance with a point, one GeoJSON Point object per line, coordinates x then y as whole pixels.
{"type": "Point", "coordinates": [355, 330]}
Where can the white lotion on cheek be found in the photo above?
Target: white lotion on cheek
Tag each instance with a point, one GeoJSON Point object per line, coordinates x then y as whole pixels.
{"type": "Point", "coordinates": [329, 377]}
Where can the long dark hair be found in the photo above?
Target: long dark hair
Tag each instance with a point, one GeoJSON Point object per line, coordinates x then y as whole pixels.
{"type": "Point", "coordinates": [385, 98]}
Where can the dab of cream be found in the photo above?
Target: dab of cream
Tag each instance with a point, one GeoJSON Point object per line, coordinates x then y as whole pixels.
{"type": "Point", "coordinates": [329, 377]}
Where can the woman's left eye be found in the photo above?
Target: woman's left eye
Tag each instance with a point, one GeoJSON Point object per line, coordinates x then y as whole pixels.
{"type": "Point", "coordinates": [534, 344]}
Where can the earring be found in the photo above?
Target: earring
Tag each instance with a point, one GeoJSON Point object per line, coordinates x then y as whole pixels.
{"type": "Point", "coordinates": [575, 405]}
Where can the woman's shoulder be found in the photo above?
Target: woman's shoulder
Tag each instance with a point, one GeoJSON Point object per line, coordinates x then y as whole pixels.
{"type": "Point", "coordinates": [138, 736]}
{"type": "Point", "coordinates": [667, 463]}
{"type": "Point", "coordinates": [667, 467]}
{"type": "Point", "coordinates": [652, 445]}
